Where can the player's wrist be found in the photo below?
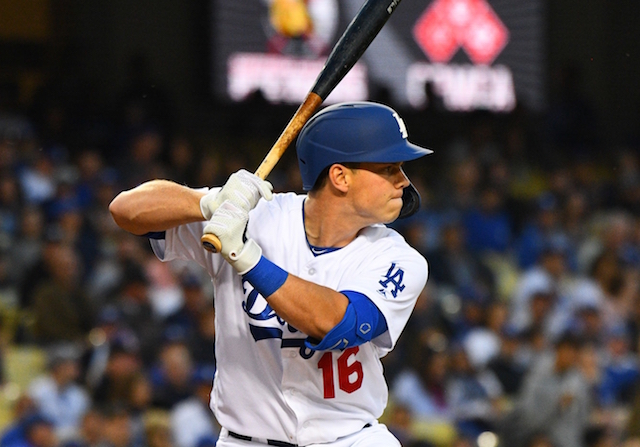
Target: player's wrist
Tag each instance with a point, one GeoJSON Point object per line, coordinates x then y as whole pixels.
{"type": "Point", "coordinates": [247, 258]}
{"type": "Point", "coordinates": [265, 276]}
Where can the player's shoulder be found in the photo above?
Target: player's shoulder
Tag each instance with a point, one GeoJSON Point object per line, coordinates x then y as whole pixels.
{"type": "Point", "coordinates": [387, 239]}
{"type": "Point", "coordinates": [383, 234]}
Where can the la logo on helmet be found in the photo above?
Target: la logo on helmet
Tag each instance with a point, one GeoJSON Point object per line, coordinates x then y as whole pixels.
{"type": "Point", "coordinates": [403, 128]}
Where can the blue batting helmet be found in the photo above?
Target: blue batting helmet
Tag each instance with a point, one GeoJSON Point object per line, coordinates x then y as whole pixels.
{"type": "Point", "coordinates": [356, 132]}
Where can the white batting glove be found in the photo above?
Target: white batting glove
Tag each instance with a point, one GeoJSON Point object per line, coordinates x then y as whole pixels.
{"type": "Point", "coordinates": [243, 189]}
{"type": "Point", "coordinates": [229, 223]}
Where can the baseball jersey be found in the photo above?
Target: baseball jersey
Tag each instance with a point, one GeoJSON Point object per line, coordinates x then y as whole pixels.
{"type": "Point", "coordinates": [268, 383]}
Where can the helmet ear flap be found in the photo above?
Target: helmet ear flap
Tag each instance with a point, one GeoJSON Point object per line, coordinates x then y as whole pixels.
{"type": "Point", "coordinates": [410, 202]}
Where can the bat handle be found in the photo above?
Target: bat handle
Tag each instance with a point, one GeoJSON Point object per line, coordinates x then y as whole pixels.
{"type": "Point", "coordinates": [302, 115]}
{"type": "Point", "coordinates": [210, 242]}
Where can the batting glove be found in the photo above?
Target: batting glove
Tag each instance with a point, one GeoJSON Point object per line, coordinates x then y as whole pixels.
{"type": "Point", "coordinates": [243, 189]}
{"type": "Point", "coordinates": [229, 223]}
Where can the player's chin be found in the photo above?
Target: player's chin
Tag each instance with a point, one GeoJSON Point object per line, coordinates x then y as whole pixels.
{"type": "Point", "coordinates": [393, 211]}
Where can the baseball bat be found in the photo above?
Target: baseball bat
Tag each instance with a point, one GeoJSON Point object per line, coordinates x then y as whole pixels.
{"type": "Point", "coordinates": [352, 44]}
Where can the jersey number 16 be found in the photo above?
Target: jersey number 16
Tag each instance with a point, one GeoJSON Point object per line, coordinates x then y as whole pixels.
{"type": "Point", "coordinates": [349, 374]}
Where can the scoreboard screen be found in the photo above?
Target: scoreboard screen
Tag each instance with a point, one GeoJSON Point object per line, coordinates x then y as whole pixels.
{"type": "Point", "coordinates": [474, 54]}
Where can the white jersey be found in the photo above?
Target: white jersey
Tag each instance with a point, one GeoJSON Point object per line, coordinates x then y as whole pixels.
{"type": "Point", "coordinates": [268, 384]}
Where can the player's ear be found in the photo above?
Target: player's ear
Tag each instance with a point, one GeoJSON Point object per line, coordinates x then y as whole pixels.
{"type": "Point", "coordinates": [340, 177]}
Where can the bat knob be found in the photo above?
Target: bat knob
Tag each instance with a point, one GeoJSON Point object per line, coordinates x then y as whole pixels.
{"type": "Point", "coordinates": [211, 243]}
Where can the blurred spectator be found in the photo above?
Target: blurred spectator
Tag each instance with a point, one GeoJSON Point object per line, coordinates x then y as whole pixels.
{"type": "Point", "coordinates": [400, 424]}
{"type": "Point", "coordinates": [157, 430]}
{"type": "Point", "coordinates": [75, 231]}
{"type": "Point", "coordinates": [26, 250]}
{"type": "Point", "coordinates": [554, 401]}
{"type": "Point", "coordinates": [123, 366]}
{"type": "Point", "coordinates": [117, 428]}
{"type": "Point", "coordinates": [37, 179]}
{"type": "Point", "coordinates": [57, 395]}
{"type": "Point", "coordinates": [105, 336]}
{"type": "Point", "coordinates": [191, 419]}
{"type": "Point", "coordinates": [142, 159]}
{"type": "Point", "coordinates": [620, 369]}
{"type": "Point", "coordinates": [39, 432]}
{"type": "Point", "coordinates": [172, 380]}
{"type": "Point", "coordinates": [139, 402]}
{"type": "Point", "coordinates": [453, 265]}
{"type": "Point", "coordinates": [165, 291]}
{"type": "Point", "coordinates": [91, 429]}
{"type": "Point", "coordinates": [183, 161]}
{"type": "Point", "coordinates": [41, 270]}
{"type": "Point", "coordinates": [474, 396]}
{"type": "Point", "coordinates": [90, 175]}
{"type": "Point", "coordinates": [120, 252]}
{"type": "Point", "coordinates": [31, 430]}
{"type": "Point", "coordinates": [422, 391]}
{"type": "Point", "coordinates": [10, 208]}
{"type": "Point", "coordinates": [136, 311]}
{"type": "Point", "coordinates": [542, 228]}
{"type": "Point", "coordinates": [202, 341]}
{"type": "Point", "coordinates": [482, 341]}
{"type": "Point", "coordinates": [60, 308]}
{"type": "Point", "coordinates": [193, 305]}
{"type": "Point", "coordinates": [459, 192]}
{"type": "Point", "coordinates": [587, 323]}
{"type": "Point", "coordinates": [618, 287]}
{"type": "Point", "coordinates": [575, 213]}
{"type": "Point", "coordinates": [612, 233]}
{"type": "Point", "coordinates": [14, 434]}
{"type": "Point", "coordinates": [487, 226]}
{"type": "Point", "coordinates": [548, 277]}
{"type": "Point", "coordinates": [507, 366]}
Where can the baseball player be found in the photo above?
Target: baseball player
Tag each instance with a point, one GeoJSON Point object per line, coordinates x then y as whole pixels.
{"type": "Point", "coordinates": [311, 290]}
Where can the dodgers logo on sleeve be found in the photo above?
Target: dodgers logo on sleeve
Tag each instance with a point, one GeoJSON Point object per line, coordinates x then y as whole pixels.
{"type": "Point", "coordinates": [393, 278]}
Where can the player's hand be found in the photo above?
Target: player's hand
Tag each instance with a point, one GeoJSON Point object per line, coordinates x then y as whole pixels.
{"type": "Point", "coordinates": [243, 189]}
{"type": "Point", "coordinates": [229, 223]}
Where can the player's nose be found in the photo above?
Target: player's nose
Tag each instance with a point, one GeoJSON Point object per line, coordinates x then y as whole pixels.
{"type": "Point", "coordinates": [403, 180]}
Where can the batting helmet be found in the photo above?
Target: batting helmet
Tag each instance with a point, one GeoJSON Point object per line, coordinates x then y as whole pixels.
{"type": "Point", "coordinates": [356, 132]}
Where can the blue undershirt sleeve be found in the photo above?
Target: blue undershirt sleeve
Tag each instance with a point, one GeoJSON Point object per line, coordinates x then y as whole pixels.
{"type": "Point", "coordinates": [155, 235]}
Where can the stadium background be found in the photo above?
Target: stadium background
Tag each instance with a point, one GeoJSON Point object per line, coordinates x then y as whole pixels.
{"type": "Point", "coordinates": [98, 96]}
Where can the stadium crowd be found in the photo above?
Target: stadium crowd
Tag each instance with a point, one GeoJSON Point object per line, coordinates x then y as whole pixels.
{"type": "Point", "coordinates": [527, 334]}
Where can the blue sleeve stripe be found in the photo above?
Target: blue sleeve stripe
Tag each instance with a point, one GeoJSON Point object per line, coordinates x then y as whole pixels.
{"type": "Point", "coordinates": [367, 311]}
{"type": "Point", "coordinates": [361, 323]}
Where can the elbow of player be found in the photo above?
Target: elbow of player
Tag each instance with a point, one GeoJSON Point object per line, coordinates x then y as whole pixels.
{"type": "Point", "coordinates": [323, 324]}
{"type": "Point", "coordinates": [123, 214]}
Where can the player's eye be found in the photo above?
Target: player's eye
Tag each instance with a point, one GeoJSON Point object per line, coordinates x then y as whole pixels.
{"type": "Point", "coordinates": [392, 169]}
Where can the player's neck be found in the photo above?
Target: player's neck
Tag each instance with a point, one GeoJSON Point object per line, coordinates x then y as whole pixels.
{"type": "Point", "coordinates": [327, 224]}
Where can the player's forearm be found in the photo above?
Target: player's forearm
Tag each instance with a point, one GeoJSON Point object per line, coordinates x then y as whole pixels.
{"type": "Point", "coordinates": [156, 205]}
{"type": "Point", "coordinates": [309, 307]}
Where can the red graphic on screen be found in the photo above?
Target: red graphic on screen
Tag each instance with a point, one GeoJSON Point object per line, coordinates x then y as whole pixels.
{"type": "Point", "coordinates": [447, 25]}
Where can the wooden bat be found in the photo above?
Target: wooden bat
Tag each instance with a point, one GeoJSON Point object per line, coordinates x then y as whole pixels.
{"type": "Point", "coordinates": [352, 44]}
